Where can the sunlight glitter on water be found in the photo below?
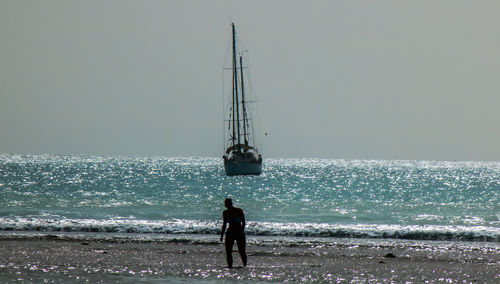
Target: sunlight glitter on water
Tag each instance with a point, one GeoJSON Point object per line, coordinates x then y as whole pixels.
{"type": "Point", "coordinates": [301, 192]}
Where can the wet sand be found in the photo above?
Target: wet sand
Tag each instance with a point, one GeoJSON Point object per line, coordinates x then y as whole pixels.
{"type": "Point", "coordinates": [39, 260]}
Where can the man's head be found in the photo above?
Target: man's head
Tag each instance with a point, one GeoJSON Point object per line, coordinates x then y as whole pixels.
{"type": "Point", "coordinates": [228, 203]}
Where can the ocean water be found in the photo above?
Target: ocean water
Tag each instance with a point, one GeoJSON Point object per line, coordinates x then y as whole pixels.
{"type": "Point", "coordinates": [137, 197]}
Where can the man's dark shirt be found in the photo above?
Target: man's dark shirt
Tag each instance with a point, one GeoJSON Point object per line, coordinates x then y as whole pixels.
{"type": "Point", "coordinates": [236, 220]}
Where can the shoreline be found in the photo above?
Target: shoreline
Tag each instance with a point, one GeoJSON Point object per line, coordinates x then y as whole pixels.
{"type": "Point", "coordinates": [63, 260]}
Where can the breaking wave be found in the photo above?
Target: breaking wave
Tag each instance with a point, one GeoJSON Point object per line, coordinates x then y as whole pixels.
{"type": "Point", "coordinates": [179, 226]}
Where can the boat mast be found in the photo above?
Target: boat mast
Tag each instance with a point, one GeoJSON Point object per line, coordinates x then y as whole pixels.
{"type": "Point", "coordinates": [235, 92]}
{"type": "Point", "coordinates": [243, 102]}
{"type": "Point", "coordinates": [233, 109]}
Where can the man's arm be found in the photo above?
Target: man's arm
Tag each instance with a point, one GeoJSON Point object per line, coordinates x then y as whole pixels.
{"type": "Point", "coordinates": [224, 222]}
{"type": "Point", "coordinates": [243, 220]}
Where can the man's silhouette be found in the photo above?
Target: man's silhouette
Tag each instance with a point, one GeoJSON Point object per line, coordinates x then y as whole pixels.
{"type": "Point", "coordinates": [236, 232]}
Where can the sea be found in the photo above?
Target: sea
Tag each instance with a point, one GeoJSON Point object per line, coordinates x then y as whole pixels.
{"type": "Point", "coordinates": [294, 200]}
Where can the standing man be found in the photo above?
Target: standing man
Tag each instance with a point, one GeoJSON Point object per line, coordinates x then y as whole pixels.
{"type": "Point", "coordinates": [236, 232]}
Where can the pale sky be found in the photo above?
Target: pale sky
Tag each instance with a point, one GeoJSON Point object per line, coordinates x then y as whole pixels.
{"type": "Point", "coordinates": [396, 79]}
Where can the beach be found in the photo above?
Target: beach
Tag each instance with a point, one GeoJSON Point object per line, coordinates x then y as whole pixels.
{"type": "Point", "coordinates": [347, 142]}
{"type": "Point", "coordinates": [53, 258]}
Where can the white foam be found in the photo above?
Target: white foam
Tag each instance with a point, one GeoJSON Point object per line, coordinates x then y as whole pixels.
{"type": "Point", "coordinates": [180, 226]}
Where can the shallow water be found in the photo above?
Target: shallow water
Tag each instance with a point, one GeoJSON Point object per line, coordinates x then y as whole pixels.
{"type": "Point", "coordinates": [190, 258]}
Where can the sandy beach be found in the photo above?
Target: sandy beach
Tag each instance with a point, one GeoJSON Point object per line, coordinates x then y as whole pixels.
{"type": "Point", "coordinates": [51, 259]}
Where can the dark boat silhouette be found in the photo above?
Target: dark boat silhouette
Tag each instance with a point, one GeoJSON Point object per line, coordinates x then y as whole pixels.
{"type": "Point", "coordinates": [240, 157]}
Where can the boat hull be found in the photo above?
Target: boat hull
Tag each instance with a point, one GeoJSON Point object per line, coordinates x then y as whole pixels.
{"type": "Point", "coordinates": [234, 167]}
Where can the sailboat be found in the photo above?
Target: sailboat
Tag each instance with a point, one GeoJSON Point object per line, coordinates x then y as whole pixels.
{"type": "Point", "coordinates": [240, 157]}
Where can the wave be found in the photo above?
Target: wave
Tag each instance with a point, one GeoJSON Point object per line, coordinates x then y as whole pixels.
{"type": "Point", "coordinates": [179, 226]}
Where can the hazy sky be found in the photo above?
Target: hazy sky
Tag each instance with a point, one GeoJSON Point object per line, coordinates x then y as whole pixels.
{"type": "Point", "coordinates": [333, 79]}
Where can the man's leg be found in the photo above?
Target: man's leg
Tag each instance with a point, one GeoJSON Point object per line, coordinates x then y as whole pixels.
{"type": "Point", "coordinates": [242, 249]}
{"type": "Point", "coordinates": [229, 251]}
